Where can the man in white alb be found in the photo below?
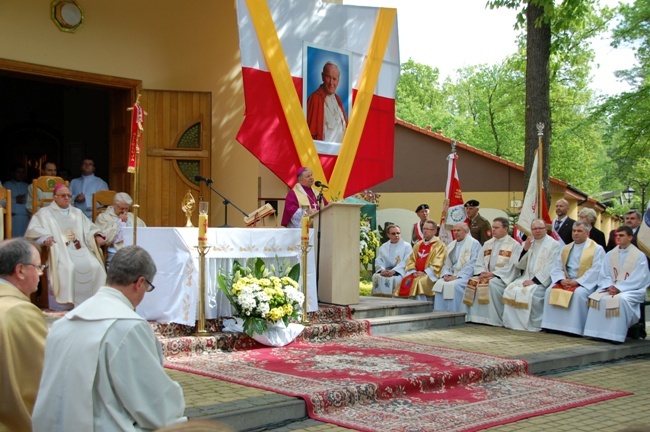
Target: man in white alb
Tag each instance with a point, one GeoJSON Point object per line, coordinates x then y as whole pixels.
{"type": "Point", "coordinates": [523, 299]}
{"type": "Point", "coordinates": [575, 277]}
{"type": "Point", "coordinates": [76, 268]}
{"type": "Point", "coordinates": [459, 267]}
{"type": "Point", "coordinates": [390, 265]}
{"type": "Point", "coordinates": [494, 270]}
{"type": "Point", "coordinates": [623, 280]}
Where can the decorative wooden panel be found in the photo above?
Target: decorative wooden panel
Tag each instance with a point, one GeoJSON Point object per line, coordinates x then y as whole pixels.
{"type": "Point", "coordinates": [176, 147]}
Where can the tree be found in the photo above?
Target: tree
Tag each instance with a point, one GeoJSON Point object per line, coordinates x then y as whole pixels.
{"type": "Point", "coordinates": [628, 114]}
{"type": "Point", "coordinates": [419, 97]}
{"type": "Point", "coordinates": [544, 20]}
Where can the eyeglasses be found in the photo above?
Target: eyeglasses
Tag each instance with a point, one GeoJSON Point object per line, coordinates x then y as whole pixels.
{"type": "Point", "coordinates": [39, 267]}
{"type": "Point", "coordinates": [64, 195]}
{"type": "Point", "coordinates": [151, 286]}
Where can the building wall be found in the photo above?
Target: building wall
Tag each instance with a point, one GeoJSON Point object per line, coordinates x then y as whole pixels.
{"type": "Point", "coordinates": [168, 45]}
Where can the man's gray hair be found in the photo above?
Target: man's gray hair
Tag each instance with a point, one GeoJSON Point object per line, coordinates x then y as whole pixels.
{"type": "Point", "coordinates": [123, 197]}
{"type": "Point", "coordinates": [589, 214]}
{"type": "Point", "coordinates": [128, 264]}
{"type": "Point", "coordinates": [463, 225]}
{"type": "Point", "coordinates": [13, 252]}
{"type": "Point", "coordinates": [504, 221]}
{"type": "Point", "coordinates": [586, 226]}
{"type": "Point", "coordinates": [539, 221]}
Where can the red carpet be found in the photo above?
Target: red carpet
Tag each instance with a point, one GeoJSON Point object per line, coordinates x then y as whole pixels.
{"type": "Point", "coordinates": [379, 384]}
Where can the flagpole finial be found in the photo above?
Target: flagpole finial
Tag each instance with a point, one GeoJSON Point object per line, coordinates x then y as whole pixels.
{"type": "Point", "coordinates": [453, 146]}
{"type": "Point", "coordinates": [540, 129]}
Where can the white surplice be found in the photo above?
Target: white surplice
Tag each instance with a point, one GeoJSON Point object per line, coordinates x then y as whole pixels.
{"type": "Point", "coordinates": [633, 288]}
{"type": "Point", "coordinates": [460, 262]}
{"type": "Point", "coordinates": [527, 307]}
{"type": "Point", "coordinates": [572, 319]}
{"type": "Point", "coordinates": [392, 256]}
{"type": "Point", "coordinates": [76, 268]}
{"type": "Point", "coordinates": [504, 273]}
{"type": "Point", "coordinates": [103, 371]}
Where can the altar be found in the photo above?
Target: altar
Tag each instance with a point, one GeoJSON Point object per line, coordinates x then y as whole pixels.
{"type": "Point", "coordinates": [175, 298]}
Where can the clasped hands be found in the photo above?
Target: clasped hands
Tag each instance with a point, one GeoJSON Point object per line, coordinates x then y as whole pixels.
{"type": "Point", "coordinates": [99, 239]}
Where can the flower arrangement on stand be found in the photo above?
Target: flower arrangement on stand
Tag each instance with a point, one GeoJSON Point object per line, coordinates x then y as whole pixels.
{"type": "Point", "coordinates": [262, 295]}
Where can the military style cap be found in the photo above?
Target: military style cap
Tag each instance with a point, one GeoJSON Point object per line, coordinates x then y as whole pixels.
{"type": "Point", "coordinates": [422, 207]}
{"type": "Point", "coordinates": [472, 203]}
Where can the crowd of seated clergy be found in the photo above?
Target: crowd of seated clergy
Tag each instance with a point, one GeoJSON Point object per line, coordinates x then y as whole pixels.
{"type": "Point", "coordinates": [542, 284]}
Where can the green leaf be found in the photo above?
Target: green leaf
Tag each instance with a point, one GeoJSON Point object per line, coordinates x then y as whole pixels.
{"type": "Point", "coordinates": [294, 273]}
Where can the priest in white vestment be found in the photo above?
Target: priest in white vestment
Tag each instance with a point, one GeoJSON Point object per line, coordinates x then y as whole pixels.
{"type": "Point", "coordinates": [523, 299]}
{"type": "Point", "coordinates": [623, 281]}
{"type": "Point", "coordinates": [75, 264]}
{"type": "Point", "coordinates": [390, 265]}
{"type": "Point", "coordinates": [574, 278]}
{"type": "Point", "coordinates": [494, 270]}
{"type": "Point", "coordinates": [112, 222]}
{"type": "Point", "coordinates": [459, 267]}
{"type": "Point", "coordinates": [103, 364]}
{"type": "Point", "coordinates": [424, 265]}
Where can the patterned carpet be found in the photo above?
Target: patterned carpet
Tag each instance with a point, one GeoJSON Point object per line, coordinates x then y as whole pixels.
{"type": "Point", "coordinates": [328, 323]}
{"type": "Point", "coordinates": [379, 384]}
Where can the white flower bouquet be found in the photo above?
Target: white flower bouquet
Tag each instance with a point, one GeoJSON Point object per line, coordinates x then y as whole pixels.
{"type": "Point", "coordinates": [262, 295]}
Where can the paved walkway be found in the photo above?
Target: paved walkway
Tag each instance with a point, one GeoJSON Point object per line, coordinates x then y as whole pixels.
{"type": "Point", "coordinates": [544, 351]}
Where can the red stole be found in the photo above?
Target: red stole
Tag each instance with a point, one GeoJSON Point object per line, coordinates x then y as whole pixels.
{"type": "Point", "coordinates": [420, 264]}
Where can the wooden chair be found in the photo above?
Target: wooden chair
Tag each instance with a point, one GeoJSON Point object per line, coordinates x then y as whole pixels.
{"type": "Point", "coordinates": [5, 194]}
{"type": "Point", "coordinates": [104, 198]}
{"type": "Point", "coordinates": [45, 184]}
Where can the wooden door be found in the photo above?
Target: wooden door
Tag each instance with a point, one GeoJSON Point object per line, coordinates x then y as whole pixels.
{"type": "Point", "coordinates": [176, 148]}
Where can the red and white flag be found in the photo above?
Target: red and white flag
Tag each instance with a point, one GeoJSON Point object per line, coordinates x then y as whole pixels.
{"type": "Point", "coordinates": [529, 208]}
{"type": "Point", "coordinates": [454, 209]}
{"type": "Point", "coordinates": [275, 39]}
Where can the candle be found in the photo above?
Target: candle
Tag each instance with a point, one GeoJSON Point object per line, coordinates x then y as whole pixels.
{"type": "Point", "coordinates": [305, 228]}
{"type": "Point", "coordinates": [203, 229]}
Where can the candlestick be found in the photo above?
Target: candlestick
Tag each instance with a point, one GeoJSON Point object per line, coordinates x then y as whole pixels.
{"type": "Point", "coordinates": [305, 228]}
{"type": "Point", "coordinates": [203, 223]}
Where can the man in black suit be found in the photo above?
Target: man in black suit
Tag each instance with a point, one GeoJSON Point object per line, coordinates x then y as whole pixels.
{"type": "Point", "coordinates": [563, 224]}
{"type": "Point", "coordinates": [633, 220]}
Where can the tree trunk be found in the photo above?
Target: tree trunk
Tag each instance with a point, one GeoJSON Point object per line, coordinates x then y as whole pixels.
{"type": "Point", "coordinates": [538, 52]}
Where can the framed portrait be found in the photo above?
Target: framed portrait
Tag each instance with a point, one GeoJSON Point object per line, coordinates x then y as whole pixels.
{"type": "Point", "coordinates": [327, 95]}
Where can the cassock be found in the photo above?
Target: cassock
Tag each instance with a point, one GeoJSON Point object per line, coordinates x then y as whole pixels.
{"type": "Point", "coordinates": [427, 257]}
{"type": "Point", "coordinates": [497, 256]}
{"type": "Point", "coordinates": [581, 262]}
{"type": "Point", "coordinates": [524, 305]}
{"type": "Point", "coordinates": [111, 226]}
{"type": "Point", "coordinates": [296, 199]}
{"type": "Point", "coordinates": [460, 262]}
{"type": "Point", "coordinates": [87, 185]}
{"type": "Point", "coordinates": [76, 268]}
{"type": "Point", "coordinates": [22, 338]}
{"type": "Point", "coordinates": [103, 371]}
{"type": "Point", "coordinates": [609, 317]}
{"type": "Point", "coordinates": [392, 256]}
{"type": "Point", "coordinates": [20, 215]}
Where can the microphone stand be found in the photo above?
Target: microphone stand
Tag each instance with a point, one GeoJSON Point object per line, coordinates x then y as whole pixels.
{"type": "Point", "coordinates": [226, 201]}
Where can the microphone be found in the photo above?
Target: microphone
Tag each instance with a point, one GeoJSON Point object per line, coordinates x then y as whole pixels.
{"type": "Point", "coordinates": [321, 185]}
{"type": "Point", "coordinates": [198, 178]}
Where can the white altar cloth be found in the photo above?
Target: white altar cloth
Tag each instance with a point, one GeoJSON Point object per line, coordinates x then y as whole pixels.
{"type": "Point", "coordinates": [175, 298]}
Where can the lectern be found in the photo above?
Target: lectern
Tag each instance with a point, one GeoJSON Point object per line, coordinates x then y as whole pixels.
{"type": "Point", "coordinates": [338, 275]}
